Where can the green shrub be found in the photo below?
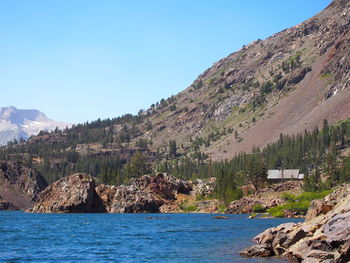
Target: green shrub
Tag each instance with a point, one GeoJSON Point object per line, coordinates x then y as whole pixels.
{"type": "Point", "coordinates": [190, 208]}
{"type": "Point", "coordinates": [313, 195]}
{"type": "Point", "coordinates": [288, 197]}
{"type": "Point", "coordinates": [299, 207]}
{"type": "Point", "coordinates": [259, 209]}
{"type": "Point", "coordinates": [277, 211]}
{"type": "Point", "coordinates": [297, 204]}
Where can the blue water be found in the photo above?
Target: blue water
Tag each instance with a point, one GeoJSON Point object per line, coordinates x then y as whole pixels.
{"type": "Point", "coordinates": [177, 238]}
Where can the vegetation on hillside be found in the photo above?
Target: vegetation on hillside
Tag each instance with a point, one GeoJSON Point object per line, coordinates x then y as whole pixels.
{"type": "Point", "coordinates": [297, 204]}
{"type": "Point", "coordinates": [313, 152]}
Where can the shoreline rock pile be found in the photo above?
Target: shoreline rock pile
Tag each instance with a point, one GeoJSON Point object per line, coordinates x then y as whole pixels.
{"type": "Point", "coordinates": [323, 237]}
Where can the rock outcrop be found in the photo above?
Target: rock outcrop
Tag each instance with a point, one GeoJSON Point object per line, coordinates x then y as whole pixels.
{"type": "Point", "coordinates": [162, 185]}
{"type": "Point", "coordinates": [128, 199]}
{"type": "Point", "coordinates": [20, 185]}
{"type": "Point", "coordinates": [323, 237]}
{"type": "Point", "coordinates": [72, 194]}
{"type": "Point", "coordinates": [145, 194]}
{"type": "Point", "coordinates": [204, 187]}
{"type": "Point", "coordinates": [6, 205]}
{"type": "Point", "coordinates": [78, 194]}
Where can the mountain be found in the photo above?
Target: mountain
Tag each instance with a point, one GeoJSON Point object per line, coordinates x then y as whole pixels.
{"type": "Point", "coordinates": [287, 84]}
{"type": "Point", "coordinates": [21, 124]}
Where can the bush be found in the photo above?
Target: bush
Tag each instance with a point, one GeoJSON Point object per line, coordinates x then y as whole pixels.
{"type": "Point", "coordinates": [299, 208]}
{"type": "Point", "coordinates": [288, 197]}
{"type": "Point", "coordinates": [297, 204]}
{"type": "Point", "coordinates": [190, 208]}
{"type": "Point", "coordinates": [259, 209]}
{"type": "Point", "coordinates": [313, 195]}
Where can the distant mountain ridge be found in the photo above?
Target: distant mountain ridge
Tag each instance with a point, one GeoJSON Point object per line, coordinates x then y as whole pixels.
{"type": "Point", "coordinates": [23, 123]}
{"type": "Point", "coordinates": [286, 84]}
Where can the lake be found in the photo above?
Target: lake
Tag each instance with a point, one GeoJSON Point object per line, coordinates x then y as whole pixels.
{"type": "Point", "coordinates": [168, 238]}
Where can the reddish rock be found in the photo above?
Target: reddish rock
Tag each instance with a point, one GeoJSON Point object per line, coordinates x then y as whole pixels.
{"type": "Point", "coordinates": [20, 185]}
{"type": "Point", "coordinates": [146, 194]}
{"type": "Point", "coordinates": [6, 205]}
{"type": "Point", "coordinates": [71, 194]}
{"type": "Point", "coordinates": [318, 207]}
{"type": "Point", "coordinates": [257, 251]}
{"type": "Point", "coordinates": [162, 184]}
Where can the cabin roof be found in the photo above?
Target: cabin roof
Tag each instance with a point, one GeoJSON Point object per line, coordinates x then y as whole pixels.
{"type": "Point", "coordinates": [284, 174]}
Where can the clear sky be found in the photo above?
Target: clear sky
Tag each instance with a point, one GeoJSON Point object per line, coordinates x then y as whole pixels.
{"type": "Point", "coordinates": [79, 60]}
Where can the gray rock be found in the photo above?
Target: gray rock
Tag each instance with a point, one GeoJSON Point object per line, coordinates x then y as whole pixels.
{"type": "Point", "coordinates": [257, 251]}
{"type": "Point", "coordinates": [337, 229]}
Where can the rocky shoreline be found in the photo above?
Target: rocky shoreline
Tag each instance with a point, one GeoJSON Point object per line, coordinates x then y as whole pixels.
{"type": "Point", "coordinates": [323, 237]}
{"type": "Point", "coordinates": [78, 193]}
{"type": "Point", "coordinates": [160, 193]}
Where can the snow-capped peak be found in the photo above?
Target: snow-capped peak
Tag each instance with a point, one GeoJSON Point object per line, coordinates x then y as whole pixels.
{"type": "Point", "coordinates": [17, 123]}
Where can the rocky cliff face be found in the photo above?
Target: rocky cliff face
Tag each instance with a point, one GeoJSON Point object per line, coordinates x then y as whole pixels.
{"type": "Point", "coordinates": [72, 194]}
{"type": "Point", "coordinates": [79, 194]}
{"type": "Point", "coordinates": [286, 83]}
{"type": "Point", "coordinates": [323, 237]}
{"type": "Point", "coordinates": [20, 185]}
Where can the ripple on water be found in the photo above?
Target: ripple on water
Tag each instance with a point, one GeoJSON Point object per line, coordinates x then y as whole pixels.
{"type": "Point", "coordinates": [125, 238]}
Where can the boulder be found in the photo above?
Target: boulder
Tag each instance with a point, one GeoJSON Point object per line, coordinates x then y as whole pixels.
{"type": "Point", "coordinates": [257, 251]}
{"type": "Point", "coordinates": [128, 199]}
{"type": "Point", "coordinates": [221, 217]}
{"type": "Point", "coordinates": [337, 229]}
{"type": "Point", "coordinates": [209, 206]}
{"type": "Point", "coordinates": [6, 205]}
{"type": "Point", "coordinates": [204, 187]}
{"type": "Point", "coordinates": [244, 205]}
{"type": "Point", "coordinates": [162, 184]}
{"type": "Point", "coordinates": [71, 194]}
{"type": "Point", "coordinates": [317, 208]}
{"type": "Point", "coordinates": [324, 237]}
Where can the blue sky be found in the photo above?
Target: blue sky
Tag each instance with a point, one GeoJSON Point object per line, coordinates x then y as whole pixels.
{"type": "Point", "coordinates": [86, 59]}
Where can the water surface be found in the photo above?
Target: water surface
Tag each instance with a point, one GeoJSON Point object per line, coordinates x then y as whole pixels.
{"type": "Point", "coordinates": [128, 238]}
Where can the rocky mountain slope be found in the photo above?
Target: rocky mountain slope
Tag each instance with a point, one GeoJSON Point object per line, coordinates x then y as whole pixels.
{"type": "Point", "coordinates": [21, 124]}
{"type": "Point", "coordinates": [20, 185]}
{"type": "Point", "coordinates": [286, 83]}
